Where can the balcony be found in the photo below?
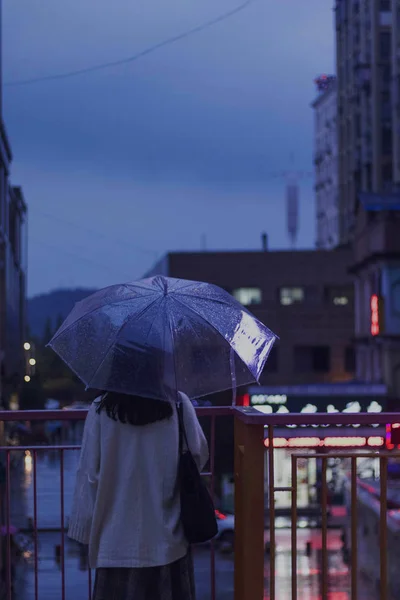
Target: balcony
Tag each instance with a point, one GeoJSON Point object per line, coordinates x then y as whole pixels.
{"type": "Point", "coordinates": [292, 553]}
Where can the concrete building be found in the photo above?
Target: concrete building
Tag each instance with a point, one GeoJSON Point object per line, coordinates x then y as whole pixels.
{"type": "Point", "coordinates": [305, 297]}
{"type": "Point", "coordinates": [12, 272]}
{"type": "Point", "coordinates": [364, 87]}
{"type": "Point", "coordinates": [12, 284]}
{"type": "Point", "coordinates": [396, 90]}
{"type": "Point", "coordinates": [326, 162]}
{"type": "Point", "coordinates": [377, 290]}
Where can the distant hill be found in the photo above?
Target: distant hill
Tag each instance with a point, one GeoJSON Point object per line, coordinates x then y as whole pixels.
{"type": "Point", "coordinates": [54, 306]}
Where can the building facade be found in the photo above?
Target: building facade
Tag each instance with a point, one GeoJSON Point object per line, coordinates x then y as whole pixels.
{"type": "Point", "coordinates": [305, 297]}
{"type": "Point", "coordinates": [396, 91]}
{"type": "Point", "coordinates": [13, 259]}
{"type": "Point", "coordinates": [13, 265]}
{"type": "Point", "coordinates": [326, 162]}
{"type": "Point", "coordinates": [365, 60]}
{"type": "Point", "coordinates": [377, 290]}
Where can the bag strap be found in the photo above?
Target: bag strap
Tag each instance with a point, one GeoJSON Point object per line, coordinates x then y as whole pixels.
{"type": "Point", "coordinates": [182, 430]}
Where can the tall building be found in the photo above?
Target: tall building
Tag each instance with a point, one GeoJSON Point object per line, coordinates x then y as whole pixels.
{"type": "Point", "coordinates": [326, 162]}
{"type": "Point", "coordinates": [12, 272]}
{"type": "Point", "coordinates": [396, 91]}
{"type": "Point", "coordinates": [364, 57]}
{"type": "Point", "coordinates": [376, 269]}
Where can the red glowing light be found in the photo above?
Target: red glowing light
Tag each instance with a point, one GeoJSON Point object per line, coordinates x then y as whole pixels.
{"type": "Point", "coordinates": [219, 515]}
{"type": "Point", "coordinates": [375, 329]}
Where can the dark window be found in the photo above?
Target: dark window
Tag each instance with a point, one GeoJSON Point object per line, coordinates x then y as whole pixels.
{"type": "Point", "coordinates": [309, 359]}
{"type": "Point", "coordinates": [387, 173]}
{"type": "Point", "coordinates": [349, 359]}
{"type": "Point", "coordinates": [272, 365]}
{"type": "Point", "coordinates": [385, 44]}
{"type": "Point", "coordinates": [385, 5]}
{"type": "Point", "coordinates": [12, 229]}
{"type": "Point", "coordinates": [386, 141]}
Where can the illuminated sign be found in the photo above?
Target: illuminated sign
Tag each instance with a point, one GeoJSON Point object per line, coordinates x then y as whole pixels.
{"type": "Point", "coordinates": [279, 404]}
{"type": "Point", "coordinates": [260, 399]}
{"type": "Point", "coordinates": [376, 326]}
{"type": "Point", "coordinates": [376, 441]}
{"type": "Point", "coordinates": [393, 436]}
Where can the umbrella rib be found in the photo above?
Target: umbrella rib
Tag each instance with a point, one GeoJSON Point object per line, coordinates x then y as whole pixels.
{"type": "Point", "coordinates": [126, 321]}
{"type": "Point", "coordinates": [198, 336]}
{"type": "Point", "coordinates": [217, 330]}
{"type": "Point", "coordinates": [208, 323]}
{"type": "Point", "coordinates": [113, 303]}
{"type": "Point", "coordinates": [220, 301]}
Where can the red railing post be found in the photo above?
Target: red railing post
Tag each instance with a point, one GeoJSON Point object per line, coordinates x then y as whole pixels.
{"type": "Point", "coordinates": [249, 510]}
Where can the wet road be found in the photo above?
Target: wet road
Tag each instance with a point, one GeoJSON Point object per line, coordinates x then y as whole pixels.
{"type": "Point", "coordinates": [76, 574]}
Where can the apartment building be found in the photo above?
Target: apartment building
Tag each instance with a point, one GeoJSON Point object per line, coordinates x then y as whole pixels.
{"type": "Point", "coordinates": [326, 162]}
{"type": "Point", "coordinates": [365, 65]}
{"type": "Point", "coordinates": [13, 265]}
{"type": "Point", "coordinates": [396, 91]}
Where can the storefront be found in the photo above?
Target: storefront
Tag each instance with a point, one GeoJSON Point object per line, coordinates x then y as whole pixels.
{"type": "Point", "coordinates": [328, 398]}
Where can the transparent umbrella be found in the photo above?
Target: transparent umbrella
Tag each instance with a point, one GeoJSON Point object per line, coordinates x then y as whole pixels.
{"type": "Point", "coordinates": [159, 335]}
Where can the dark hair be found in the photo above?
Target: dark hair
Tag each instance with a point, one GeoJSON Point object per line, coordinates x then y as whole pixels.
{"type": "Point", "coordinates": [134, 410]}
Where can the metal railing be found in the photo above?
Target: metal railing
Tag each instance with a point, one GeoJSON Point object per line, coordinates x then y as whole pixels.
{"type": "Point", "coordinates": [251, 447]}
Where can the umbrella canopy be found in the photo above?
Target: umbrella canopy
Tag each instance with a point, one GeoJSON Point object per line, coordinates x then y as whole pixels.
{"type": "Point", "coordinates": [161, 334]}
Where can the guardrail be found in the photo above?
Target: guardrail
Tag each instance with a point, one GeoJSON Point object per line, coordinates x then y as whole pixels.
{"type": "Point", "coordinates": [250, 451]}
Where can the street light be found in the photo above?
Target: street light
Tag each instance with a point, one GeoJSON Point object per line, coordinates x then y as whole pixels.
{"type": "Point", "coordinates": [27, 346]}
{"type": "Point", "coordinates": [27, 378]}
{"type": "Point", "coordinates": [32, 362]}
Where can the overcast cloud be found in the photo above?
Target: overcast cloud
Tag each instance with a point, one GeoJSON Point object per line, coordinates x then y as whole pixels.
{"type": "Point", "coordinates": [149, 156]}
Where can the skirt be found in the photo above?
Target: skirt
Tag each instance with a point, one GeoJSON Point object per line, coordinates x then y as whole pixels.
{"type": "Point", "coordinates": [170, 582]}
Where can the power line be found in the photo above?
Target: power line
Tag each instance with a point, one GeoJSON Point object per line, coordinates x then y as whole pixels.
{"type": "Point", "coordinates": [74, 255]}
{"type": "Point", "coordinates": [135, 57]}
{"type": "Point", "coordinates": [127, 245]}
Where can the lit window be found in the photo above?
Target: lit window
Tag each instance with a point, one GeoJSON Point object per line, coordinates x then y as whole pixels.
{"type": "Point", "coordinates": [340, 300]}
{"type": "Point", "coordinates": [248, 296]}
{"type": "Point", "coordinates": [291, 295]}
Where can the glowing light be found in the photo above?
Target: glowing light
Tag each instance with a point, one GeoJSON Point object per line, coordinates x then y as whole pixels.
{"type": "Point", "coordinates": [309, 409]}
{"type": "Point", "coordinates": [352, 407]}
{"type": "Point", "coordinates": [329, 442]}
{"type": "Point", "coordinates": [340, 301]}
{"type": "Point", "coordinates": [269, 399]}
{"type": "Point", "coordinates": [220, 515]}
{"type": "Point", "coordinates": [27, 378]}
{"type": "Point", "coordinates": [243, 400]}
{"type": "Point", "coordinates": [392, 436]}
{"type": "Point", "coordinates": [376, 441]}
{"type": "Point", "coordinates": [27, 346]}
{"type": "Point", "coordinates": [306, 442]}
{"type": "Point", "coordinates": [28, 462]}
{"type": "Point", "coordinates": [32, 362]}
{"type": "Point", "coordinates": [345, 442]}
{"type": "Point", "coordinates": [267, 410]}
{"type": "Point", "coordinates": [375, 330]}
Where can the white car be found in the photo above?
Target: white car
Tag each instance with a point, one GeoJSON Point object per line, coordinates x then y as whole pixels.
{"type": "Point", "coordinates": [226, 528]}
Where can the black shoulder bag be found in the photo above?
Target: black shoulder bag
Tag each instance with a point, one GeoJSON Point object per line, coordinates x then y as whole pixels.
{"type": "Point", "coordinates": [197, 508]}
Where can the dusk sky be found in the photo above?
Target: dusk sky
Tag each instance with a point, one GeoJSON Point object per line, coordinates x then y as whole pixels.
{"type": "Point", "coordinates": [120, 165]}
